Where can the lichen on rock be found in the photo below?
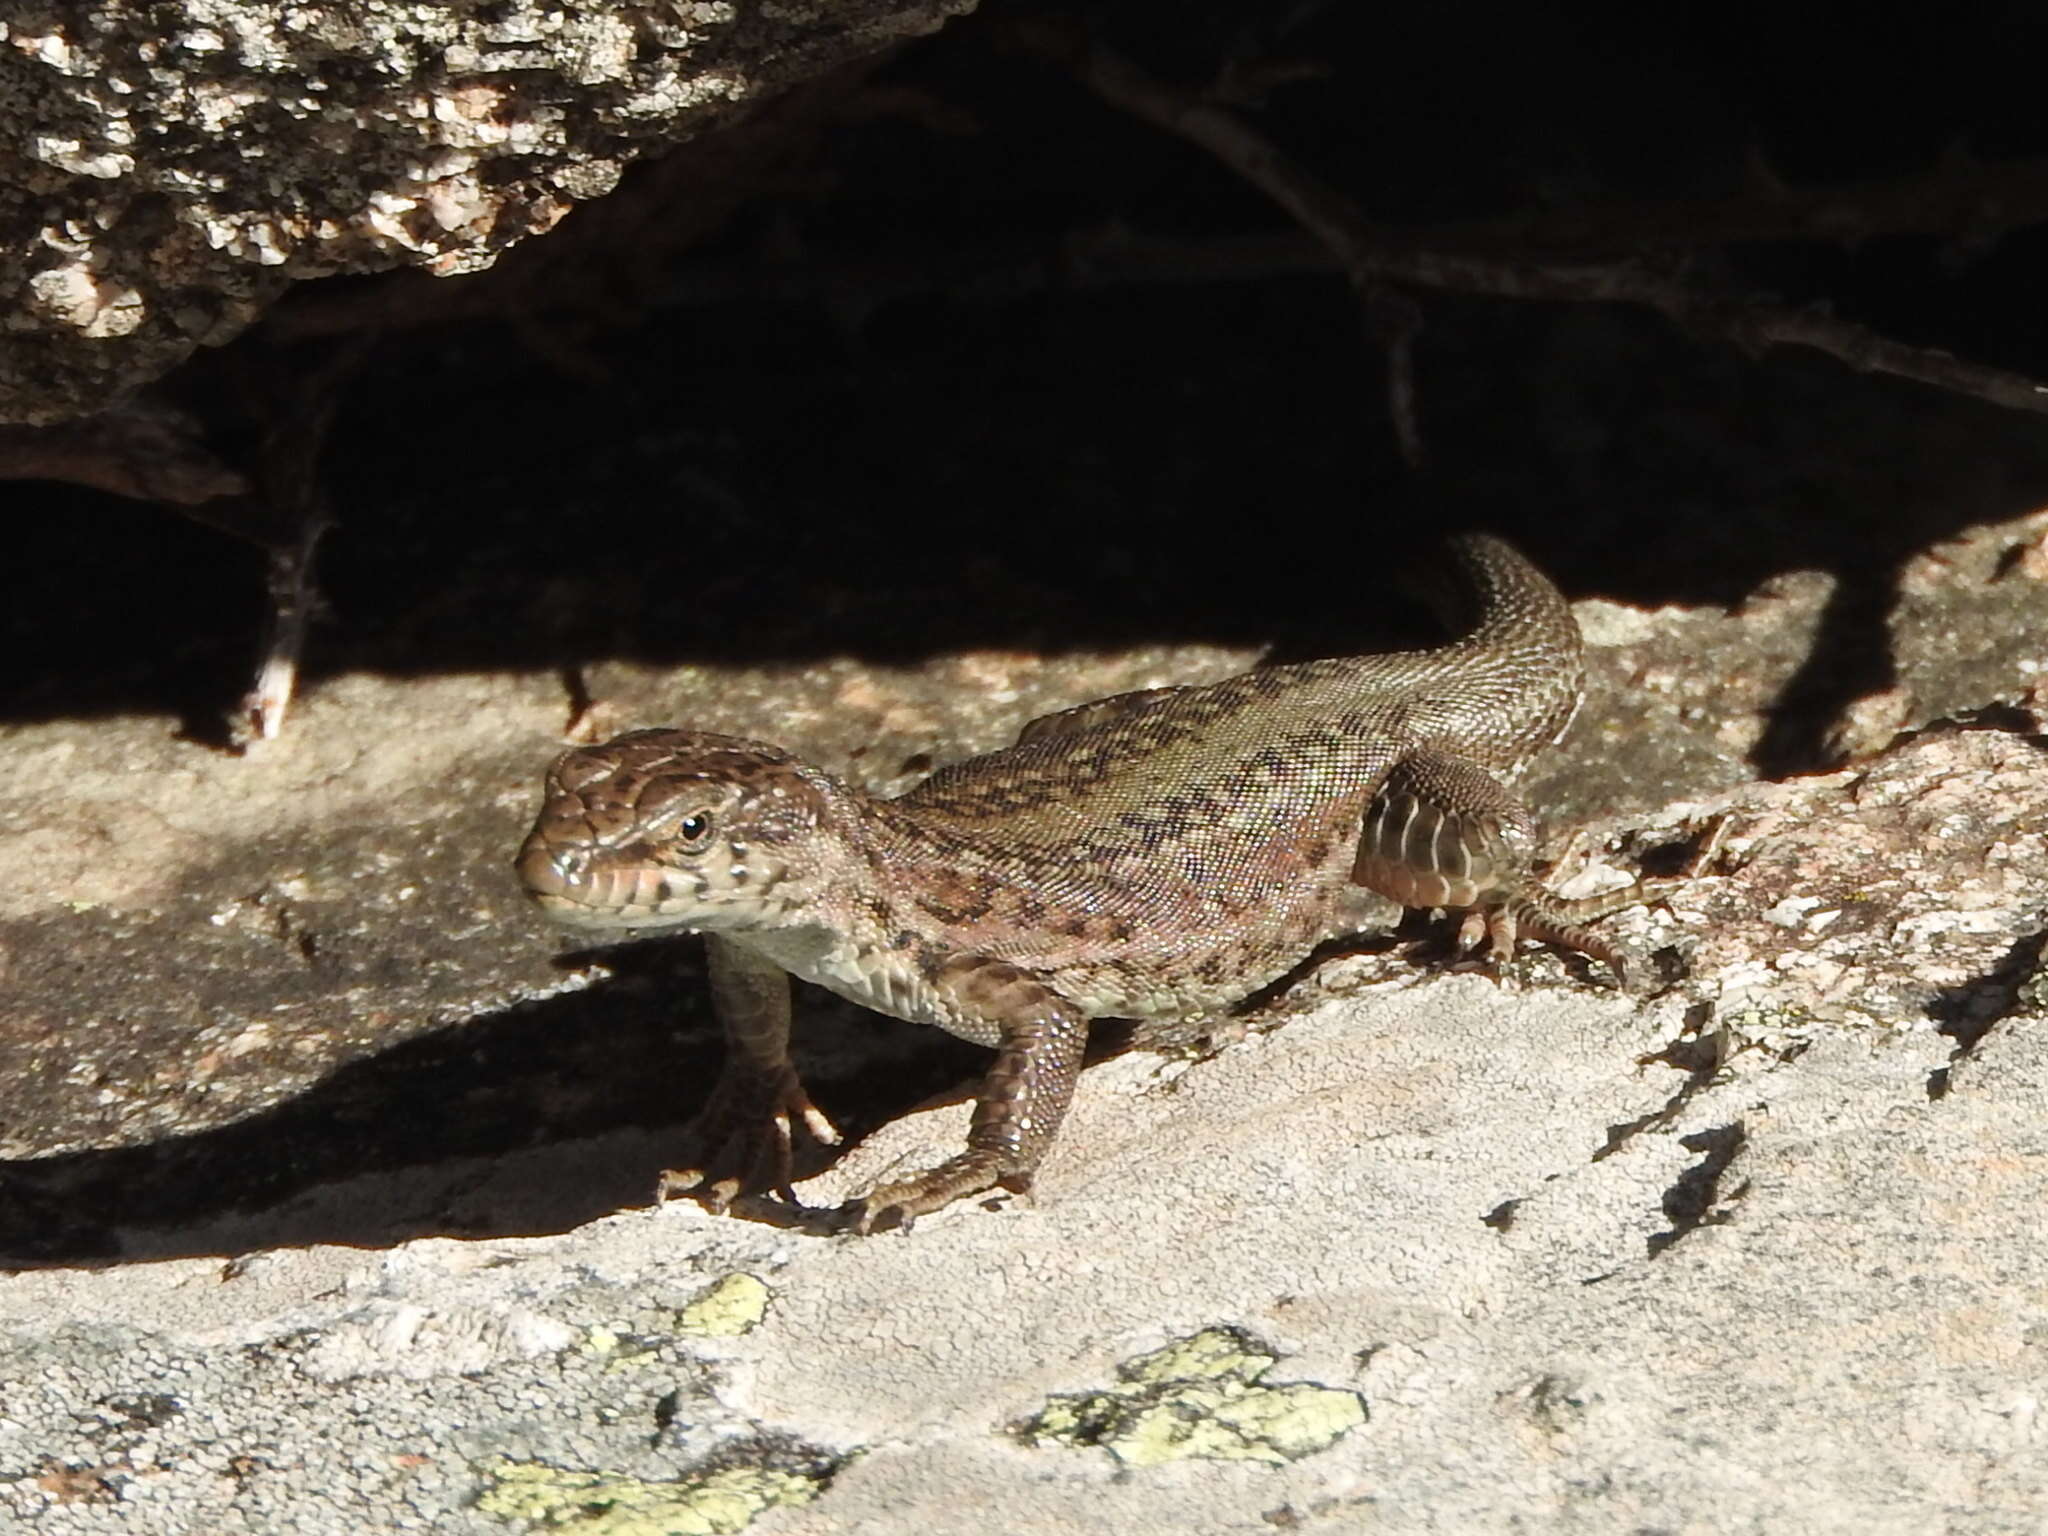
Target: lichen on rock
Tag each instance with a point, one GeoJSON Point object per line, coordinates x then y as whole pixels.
{"type": "Point", "coordinates": [1200, 1397]}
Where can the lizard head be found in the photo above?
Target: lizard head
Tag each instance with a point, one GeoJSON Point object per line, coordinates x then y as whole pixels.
{"type": "Point", "coordinates": [677, 829]}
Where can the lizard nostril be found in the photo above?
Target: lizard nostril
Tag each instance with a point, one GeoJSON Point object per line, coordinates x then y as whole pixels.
{"type": "Point", "coordinates": [546, 870]}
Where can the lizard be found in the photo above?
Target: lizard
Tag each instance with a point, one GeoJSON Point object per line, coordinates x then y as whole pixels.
{"type": "Point", "coordinates": [1154, 856]}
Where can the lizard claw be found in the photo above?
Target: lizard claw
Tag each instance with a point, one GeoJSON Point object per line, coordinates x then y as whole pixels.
{"type": "Point", "coordinates": [743, 1140]}
{"type": "Point", "coordinates": [1485, 945]}
{"type": "Point", "coordinates": [1499, 928]}
{"type": "Point", "coordinates": [896, 1206]}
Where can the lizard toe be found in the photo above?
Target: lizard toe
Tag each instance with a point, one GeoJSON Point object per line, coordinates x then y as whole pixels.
{"type": "Point", "coordinates": [898, 1204]}
{"type": "Point", "coordinates": [743, 1142]}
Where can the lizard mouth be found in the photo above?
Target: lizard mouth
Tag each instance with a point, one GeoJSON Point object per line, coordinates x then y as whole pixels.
{"type": "Point", "coordinates": [624, 889]}
{"type": "Point", "coordinates": [585, 888]}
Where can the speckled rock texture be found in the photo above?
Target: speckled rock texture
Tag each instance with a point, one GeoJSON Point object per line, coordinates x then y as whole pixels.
{"type": "Point", "coordinates": [168, 169]}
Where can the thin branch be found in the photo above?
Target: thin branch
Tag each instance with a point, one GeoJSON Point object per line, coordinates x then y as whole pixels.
{"type": "Point", "coordinates": [1964, 200]}
{"type": "Point", "coordinates": [293, 601]}
{"type": "Point", "coordinates": [1370, 252]}
{"type": "Point", "coordinates": [1392, 320]}
{"type": "Point", "coordinates": [300, 413]}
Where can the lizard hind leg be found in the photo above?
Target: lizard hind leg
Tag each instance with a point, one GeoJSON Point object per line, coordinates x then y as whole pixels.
{"type": "Point", "coordinates": [1444, 832]}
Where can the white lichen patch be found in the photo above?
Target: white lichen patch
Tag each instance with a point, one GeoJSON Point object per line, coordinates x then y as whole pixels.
{"type": "Point", "coordinates": [417, 1343]}
{"type": "Point", "coordinates": [1201, 1397]}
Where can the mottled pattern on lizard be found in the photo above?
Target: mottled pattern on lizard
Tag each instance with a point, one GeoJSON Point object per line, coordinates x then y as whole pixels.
{"type": "Point", "coordinates": [1154, 856]}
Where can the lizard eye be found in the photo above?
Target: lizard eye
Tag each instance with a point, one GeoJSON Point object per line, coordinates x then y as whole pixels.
{"type": "Point", "coordinates": [695, 827]}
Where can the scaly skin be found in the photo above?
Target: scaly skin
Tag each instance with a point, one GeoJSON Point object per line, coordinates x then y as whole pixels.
{"type": "Point", "coordinates": [1153, 856]}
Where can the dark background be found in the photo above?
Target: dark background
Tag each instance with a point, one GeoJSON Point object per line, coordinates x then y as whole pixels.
{"type": "Point", "coordinates": [870, 413]}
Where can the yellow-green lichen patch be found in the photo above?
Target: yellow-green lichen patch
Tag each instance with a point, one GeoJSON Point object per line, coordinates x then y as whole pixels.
{"type": "Point", "coordinates": [1782, 1030]}
{"type": "Point", "coordinates": [1200, 1397]}
{"type": "Point", "coordinates": [730, 1308]}
{"type": "Point", "coordinates": [600, 1504]}
{"type": "Point", "coordinates": [619, 1351]}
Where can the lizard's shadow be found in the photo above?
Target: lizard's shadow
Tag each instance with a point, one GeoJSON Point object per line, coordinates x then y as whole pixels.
{"type": "Point", "coordinates": [532, 1120]}
{"type": "Point", "coordinates": [535, 1119]}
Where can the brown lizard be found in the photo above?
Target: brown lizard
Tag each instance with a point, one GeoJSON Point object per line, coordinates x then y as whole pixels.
{"type": "Point", "coordinates": [1155, 856]}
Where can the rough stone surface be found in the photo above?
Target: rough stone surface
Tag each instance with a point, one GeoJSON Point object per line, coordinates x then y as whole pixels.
{"type": "Point", "coordinates": [172, 167]}
{"type": "Point", "coordinates": [329, 1190]}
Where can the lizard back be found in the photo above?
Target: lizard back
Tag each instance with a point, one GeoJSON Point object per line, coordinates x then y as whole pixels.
{"type": "Point", "coordinates": [1159, 849]}
{"type": "Point", "coordinates": [1222, 770]}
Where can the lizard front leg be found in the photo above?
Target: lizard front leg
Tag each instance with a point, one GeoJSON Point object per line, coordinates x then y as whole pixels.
{"type": "Point", "coordinates": [1039, 1037]}
{"type": "Point", "coordinates": [1443, 832]}
{"type": "Point", "coordinates": [741, 1139]}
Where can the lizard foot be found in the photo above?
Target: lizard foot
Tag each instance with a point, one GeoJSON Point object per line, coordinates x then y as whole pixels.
{"type": "Point", "coordinates": [900, 1203]}
{"type": "Point", "coordinates": [1559, 922]}
{"type": "Point", "coordinates": [1537, 914]}
{"type": "Point", "coordinates": [741, 1143]}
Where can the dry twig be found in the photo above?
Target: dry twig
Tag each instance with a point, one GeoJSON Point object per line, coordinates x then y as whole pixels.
{"type": "Point", "coordinates": [1371, 253]}
{"type": "Point", "coordinates": [289, 483]}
